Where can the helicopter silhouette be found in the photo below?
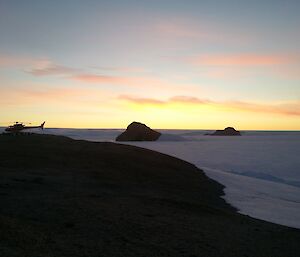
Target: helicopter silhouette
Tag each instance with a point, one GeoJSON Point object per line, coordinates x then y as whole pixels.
{"type": "Point", "coordinates": [18, 127]}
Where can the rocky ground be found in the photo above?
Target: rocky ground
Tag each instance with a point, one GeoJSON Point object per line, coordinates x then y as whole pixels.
{"type": "Point", "coordinates": [63, 197]}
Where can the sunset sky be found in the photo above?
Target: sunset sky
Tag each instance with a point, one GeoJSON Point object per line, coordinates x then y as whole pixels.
{"type": "Point", "coordinates": [170, 64]}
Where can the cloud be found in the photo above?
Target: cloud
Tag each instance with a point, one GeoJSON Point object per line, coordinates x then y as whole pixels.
{"type": "Point", "coordinates": [53, 69]}
{"type": "Point", "coordinates": [9, 61]}
{"type": "Point", "coordinates": [142, 82]}
{"type": "Point", "coordinates": [117, 76]}
{"type": "Point", "coordinates": [29, 96]}
{"type": "Point", "coordinates": [291, 108]}
{"type": "Point", "coordinates": [99, 79]}
{"type": "Point", "coordinates": [57, 69]}
{"type": "Point", "coordinates": [47, 94]}
{"type": "Point", "coordinates": [189, 100]}
{"type": "Point", "coordinates": [176, 30]}
{"type": "Point", "coordinates": [122, 69]}
{"type": "Point", "coordinates": [45, 67]}
{"type": "Point", "coordinates": [245, 65]}
{"type": "Point", "coordinates": [35, 66]}
{"type": "Point", "coordinates": [175, 99]}
{"type": "Point", "coordinates": [191, 31]}
{"type": "Point", "coordinates": [141, 100]}
{"type": "Point", "coordinates": [79, 75]}
{"type": "Point", "coordinates": [288, 108]}
{"type": "Point", "coordinates": [239, 60]}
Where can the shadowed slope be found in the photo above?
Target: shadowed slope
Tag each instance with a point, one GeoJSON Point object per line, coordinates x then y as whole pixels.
{"type": "Point", "coordinates": [62, 197]}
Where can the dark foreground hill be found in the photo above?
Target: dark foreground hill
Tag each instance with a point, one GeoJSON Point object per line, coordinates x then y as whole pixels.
{"type": "Point", "coordinates": [62, 197]}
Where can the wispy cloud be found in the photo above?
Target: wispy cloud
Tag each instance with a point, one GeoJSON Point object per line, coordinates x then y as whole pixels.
{"type": "Point", "coordinates": [35, 66]}
{"type": "Point", "coordinates": [191, 30]}
{"type": "Point", "coordinates": [53, 69]}
{"type": "Point", "coordinates": [189, 100]}
{"type": "Point", "coordinates": [10, 61]}
{"type": "Point", "coordinates": [107, 79]}
{"type": "Point", "coordinates": [79, 75]}
{"type": "Point", "coordinates": [177, 30]}
{"type": "Point", "coordinates": [141, 100]}
{"type": "Point", "coordinates": [99, 79]}
{"type": "Point", "coordinates": [239, 59]}
{"type": "Point", "coordinates": [58, 69]}
{"type": "Point", "coordinates": [29, 96]}
{"type": "Point", "coordinates": [122, 69]}
{"type": "Point", "coordinates": [286, 108]}
{"type": "Point", "coordinates": [245, 65]}
{"type": "Point", "coordinates": [118, 76]}
{"type": "Point", "coordinates": [46, 94]}
{"type": "Point", "coordinates": [45, 67]}
{"type": "Point", "coordinates": [142, 82]}
{"type": "Point", "coordinates": [175, 99]}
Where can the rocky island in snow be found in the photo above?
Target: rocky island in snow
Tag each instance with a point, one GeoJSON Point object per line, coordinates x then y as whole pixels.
{"type": "Point", "coordinates": [229, 131]}
{"type": "Point", "coordinates": [137, 131]}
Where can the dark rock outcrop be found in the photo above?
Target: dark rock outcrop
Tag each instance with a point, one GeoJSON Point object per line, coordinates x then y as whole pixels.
{"type": "Point", "coordinates": [137, 131]}
{"type": "Point", "coordinates": [229, 131]}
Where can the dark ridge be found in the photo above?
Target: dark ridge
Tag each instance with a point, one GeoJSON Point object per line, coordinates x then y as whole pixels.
{"type": "Point", "coordinates": [64, 197]}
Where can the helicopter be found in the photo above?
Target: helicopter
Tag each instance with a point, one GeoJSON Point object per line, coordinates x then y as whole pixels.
{"type": "Point", "coordinates": [18, 127]}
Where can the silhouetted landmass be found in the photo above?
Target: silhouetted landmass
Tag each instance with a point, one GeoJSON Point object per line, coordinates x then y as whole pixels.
{"type": "Point", "coordinates": [64, 197]}
{"type": "Point", "coordinates": [229, 131]}
{"type": "Point", "coordinates": [137, 131]}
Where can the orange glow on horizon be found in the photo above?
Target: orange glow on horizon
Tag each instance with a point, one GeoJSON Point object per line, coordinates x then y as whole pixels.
{"type": "Point", "coordinates": [80, 108]}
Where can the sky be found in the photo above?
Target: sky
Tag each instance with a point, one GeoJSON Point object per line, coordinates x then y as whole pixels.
{"type": "Point", "coordinates": [169, 64]}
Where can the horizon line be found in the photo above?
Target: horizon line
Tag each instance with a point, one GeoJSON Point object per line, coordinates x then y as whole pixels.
{"type": "Point", "coordinates": [124, 128]}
